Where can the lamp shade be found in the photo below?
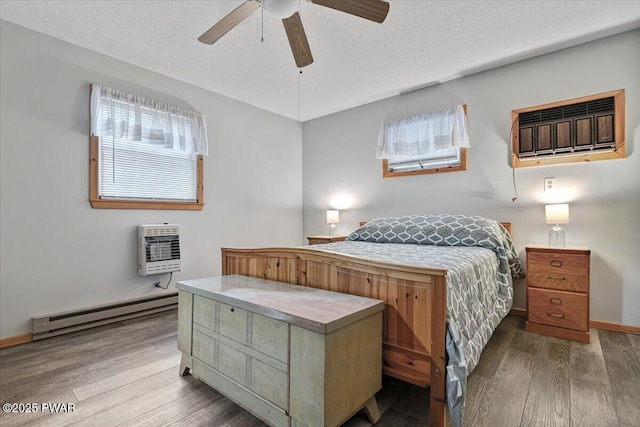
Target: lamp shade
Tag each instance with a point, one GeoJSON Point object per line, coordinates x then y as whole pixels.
{"type": "Point", "coordinates": [557, 214]}
{"type": "Point", "coordinates": [333, 217]}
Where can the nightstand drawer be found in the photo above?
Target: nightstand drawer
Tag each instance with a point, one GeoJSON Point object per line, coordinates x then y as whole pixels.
{"type": "Point", "coordinates": [562, 271]}
{"type": "Point", "coordinates": [557, 308]}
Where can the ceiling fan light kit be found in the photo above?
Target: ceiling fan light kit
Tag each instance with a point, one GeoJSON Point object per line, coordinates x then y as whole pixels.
{"type": "Point", "coordinates": [287, 10]}
{"type": "Point", "coordinates": [280, 8]}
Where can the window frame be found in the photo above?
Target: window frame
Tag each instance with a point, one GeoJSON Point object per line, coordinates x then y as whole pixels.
{"type": "Point", "coordinates": [565, 158]}
{"type": "Point", "coordinates": [98, 203]}
{"type": "Point", "coordinates": [386, 173]}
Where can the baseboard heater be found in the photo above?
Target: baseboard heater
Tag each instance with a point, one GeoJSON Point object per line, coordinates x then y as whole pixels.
{"type": "Point", "coordinates": [70, 321]}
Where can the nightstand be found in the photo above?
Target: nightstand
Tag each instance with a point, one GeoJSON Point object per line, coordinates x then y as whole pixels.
{"type": "Point", "coordinates": [315, 240]}
{"type": "Point", "coordinates": [558, 291]}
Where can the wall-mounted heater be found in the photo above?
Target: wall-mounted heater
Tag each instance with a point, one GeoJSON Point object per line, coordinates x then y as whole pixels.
{"type": "Point", "coordinates": [158, 249]}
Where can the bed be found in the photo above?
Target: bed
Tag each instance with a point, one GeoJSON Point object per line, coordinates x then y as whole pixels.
{"type": "Point", "coordinates": [446, 281]}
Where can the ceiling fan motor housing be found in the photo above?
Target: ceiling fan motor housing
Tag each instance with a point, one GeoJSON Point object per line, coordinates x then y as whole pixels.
{"type": "Point", "coordinates": [280, 8]}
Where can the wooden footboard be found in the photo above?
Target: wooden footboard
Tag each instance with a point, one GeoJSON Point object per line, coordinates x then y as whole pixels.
{"type": "Point", "coordinates": [414, 324]}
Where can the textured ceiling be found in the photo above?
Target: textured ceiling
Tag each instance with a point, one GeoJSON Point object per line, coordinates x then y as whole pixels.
{"type": "Point", "coordinates": [356, 61]}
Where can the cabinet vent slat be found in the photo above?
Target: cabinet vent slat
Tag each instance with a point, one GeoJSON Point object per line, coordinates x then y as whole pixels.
{"type": "Point", "coordinates": [605, 105]}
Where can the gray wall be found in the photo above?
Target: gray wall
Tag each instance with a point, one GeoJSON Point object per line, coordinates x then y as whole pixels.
{"type": "Point", "coordinates": [340, 169]}
{"type": "Point", "coordinates": [60, 254]}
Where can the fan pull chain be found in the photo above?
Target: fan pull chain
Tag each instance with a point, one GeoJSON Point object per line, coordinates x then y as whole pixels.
{"type": "Point", "coordinates": [299, 81]}
{"type": "Point", "coordinates": [300, 73]}
{"type": "Point", "coordinates": [262, 34]}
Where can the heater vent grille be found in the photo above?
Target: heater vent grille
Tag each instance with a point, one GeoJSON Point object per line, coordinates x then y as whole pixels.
{"type": "Point", "coordinates": [158, 249]}
{"type": "Point", "coordinates": [161, 230]}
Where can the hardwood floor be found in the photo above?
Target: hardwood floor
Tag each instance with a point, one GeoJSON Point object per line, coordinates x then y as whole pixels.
{"type": "Point", "coordinates": [127, 374]}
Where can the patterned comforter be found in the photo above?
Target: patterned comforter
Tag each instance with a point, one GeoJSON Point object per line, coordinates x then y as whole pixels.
{"type": "Point", "coordinates": [480, 260]}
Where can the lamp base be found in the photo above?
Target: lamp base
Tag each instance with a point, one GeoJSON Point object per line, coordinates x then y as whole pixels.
{"type": "Point", "coordinates": [556, 237]}
{"type": "Point", "coordinates": [332, 230]}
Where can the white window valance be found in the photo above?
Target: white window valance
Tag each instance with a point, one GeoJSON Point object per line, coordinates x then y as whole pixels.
{"type": "Point", "coordinates": [129, 117]}
{"type": "Point", "coordinates": [424, 134]}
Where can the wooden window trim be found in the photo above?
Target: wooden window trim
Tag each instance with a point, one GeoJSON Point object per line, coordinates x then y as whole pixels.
{"type": "Point", "coordinates": [461, 167]}
{"type": "Point", "coordinates": [620, 134]}
{"type": "Point", "coordinates": [98, 203]}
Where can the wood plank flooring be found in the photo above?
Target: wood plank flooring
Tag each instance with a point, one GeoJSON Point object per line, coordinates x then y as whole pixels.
{"type": "Point", "coordinates": [127, 374]}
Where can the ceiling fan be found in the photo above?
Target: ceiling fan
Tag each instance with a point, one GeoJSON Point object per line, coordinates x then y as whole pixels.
{"type": "Point", "coordinates": [287, 10]}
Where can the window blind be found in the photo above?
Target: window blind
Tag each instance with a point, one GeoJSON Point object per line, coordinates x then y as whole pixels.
{"type": "Point", "coordinates": [437, 160]}
{"type": "Point", "coordinates": [133, 171]}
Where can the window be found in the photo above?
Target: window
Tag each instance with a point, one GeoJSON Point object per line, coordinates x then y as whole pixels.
{"type": "Point", "coordinates": [425, 144]}
{"type": "Point", "coordinates": [576, 130]}
{"type": "Point", "coordinates": [144, 154]}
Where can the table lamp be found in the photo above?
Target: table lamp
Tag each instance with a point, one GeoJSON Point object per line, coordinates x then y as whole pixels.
{"type": "Point", "coordinates": [333, 218]}
{"type": "Point", "coordinates": [557, 214]}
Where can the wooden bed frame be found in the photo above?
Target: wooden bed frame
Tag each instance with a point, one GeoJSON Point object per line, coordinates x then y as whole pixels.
{"type": "Point", "coordinates": [414, 320]}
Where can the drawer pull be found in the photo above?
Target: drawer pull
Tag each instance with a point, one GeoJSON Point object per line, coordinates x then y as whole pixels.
{"type": "Point", "coordinates": [559, 316]}
{"type": "Point", "coordinates": [557, 301]}
{"type": "Point", "coordinates": [557, 277]}
{"type": "Point", "coordinates": [232, 309]}
{"type": "Point", "coordinates": [556, 263]}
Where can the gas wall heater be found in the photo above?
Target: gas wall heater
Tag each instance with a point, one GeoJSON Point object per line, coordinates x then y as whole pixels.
{"type": "Point", "coordinates": [158, 249]}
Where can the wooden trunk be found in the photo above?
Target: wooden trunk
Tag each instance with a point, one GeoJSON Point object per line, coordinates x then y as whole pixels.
{"type": "Point", "coordinates": [292, 356]}
{"type": "Point", "coordinates": [414, 320]}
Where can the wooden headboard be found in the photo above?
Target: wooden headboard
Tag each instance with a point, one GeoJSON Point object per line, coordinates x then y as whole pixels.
{"type": "Point", "coordinates": [507, 225]}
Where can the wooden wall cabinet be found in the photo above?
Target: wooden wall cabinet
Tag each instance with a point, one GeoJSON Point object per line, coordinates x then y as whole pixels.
{"type": "Point", "coordinates": [575, 130]}
{"type": "Point", "coordinates": [558, 291]}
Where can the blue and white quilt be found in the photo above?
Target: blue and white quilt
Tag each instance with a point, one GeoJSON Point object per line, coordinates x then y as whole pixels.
{"type": "Point", "coordinates": [480, 260]}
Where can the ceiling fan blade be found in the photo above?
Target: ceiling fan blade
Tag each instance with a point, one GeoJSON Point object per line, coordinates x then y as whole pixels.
{"type": "Point", "coordinates": [373, 10]}
{"type": "Point", "coordinates": [228, 22]}
{"type": "Point", "coordinates": [298, 40]}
